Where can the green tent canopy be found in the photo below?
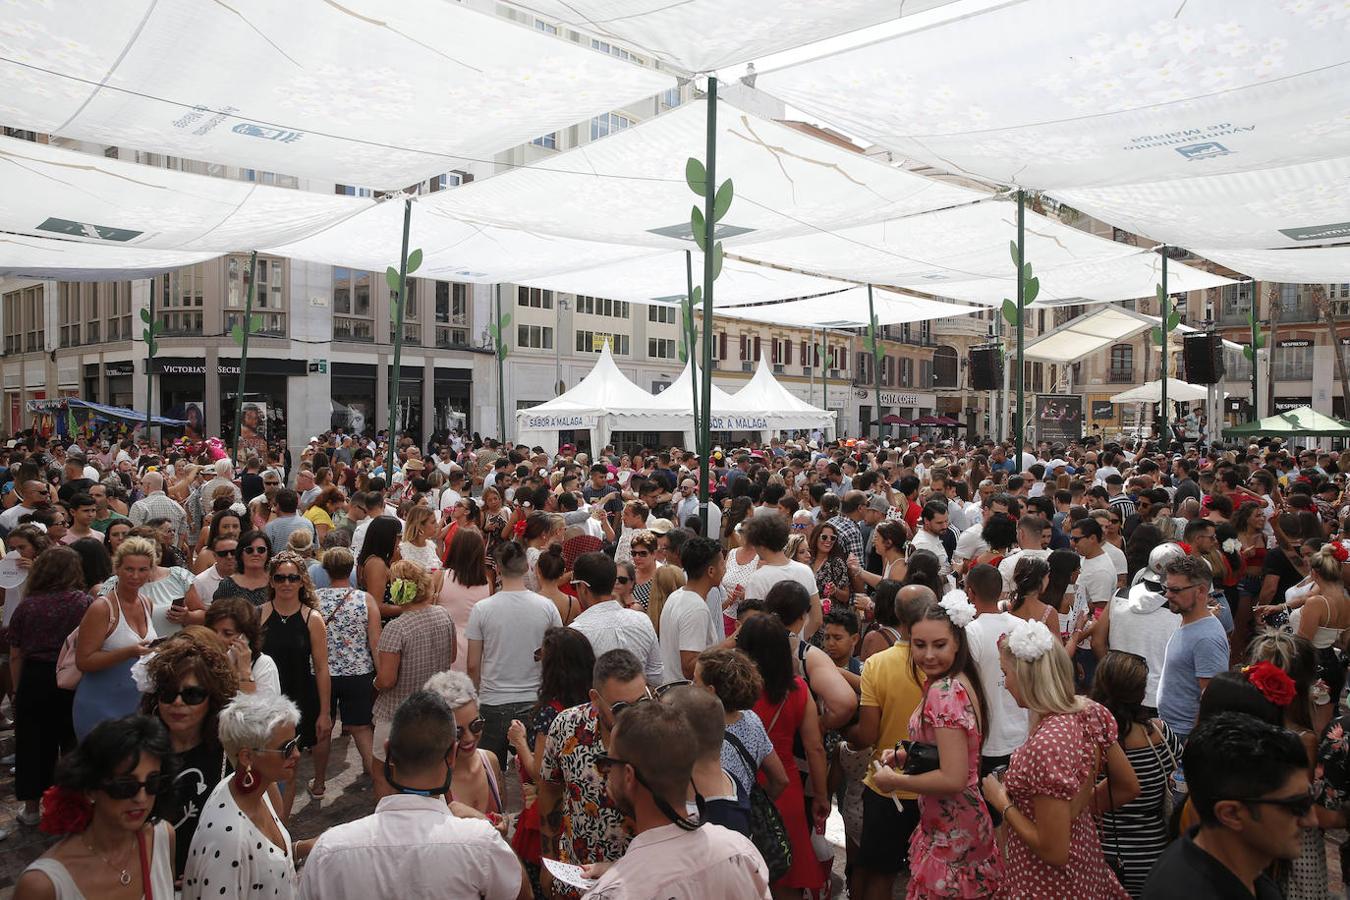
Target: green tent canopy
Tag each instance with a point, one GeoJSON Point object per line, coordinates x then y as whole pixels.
{"type": "Point", "coordinates": [1302, 422]}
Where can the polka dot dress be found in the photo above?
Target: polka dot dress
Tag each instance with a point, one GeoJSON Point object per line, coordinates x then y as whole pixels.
{"type": "Point", "coordinates": [230, 857]}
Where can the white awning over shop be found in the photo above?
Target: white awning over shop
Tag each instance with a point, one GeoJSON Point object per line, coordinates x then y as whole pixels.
{"type": "Point", "coordinates": [361, 92]}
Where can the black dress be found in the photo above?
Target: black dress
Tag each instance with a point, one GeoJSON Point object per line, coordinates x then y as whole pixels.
{"type": "Point", "coordinates": [286, 640]}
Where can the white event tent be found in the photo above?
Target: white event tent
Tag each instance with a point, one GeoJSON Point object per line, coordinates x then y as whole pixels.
{"type": "Point", "coordinates": [1096, 331]}
{"type": "Point", "coordinates": [1151, 392]}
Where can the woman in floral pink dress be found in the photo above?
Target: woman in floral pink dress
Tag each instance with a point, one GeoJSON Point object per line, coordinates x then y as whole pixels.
{"type": "Point", "coordinates": [952, 853]}
{"type": "Point", "coordinates": [1051, 789]}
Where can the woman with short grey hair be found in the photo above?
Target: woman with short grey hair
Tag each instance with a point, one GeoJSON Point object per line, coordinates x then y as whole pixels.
{"type": "Point", "coordinates": [476, 773]}
{"type": "Point", "coordinates": [241, 848]}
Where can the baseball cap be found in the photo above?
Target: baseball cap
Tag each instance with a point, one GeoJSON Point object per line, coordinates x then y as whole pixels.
{"type": "Point", "coordinates": [879, 503]}
{"type": "Point", "coordinates": [660, 526]}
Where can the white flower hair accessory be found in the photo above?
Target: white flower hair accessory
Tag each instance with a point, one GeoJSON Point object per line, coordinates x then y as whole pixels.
{"type": "Point", "coordinates": [1232, 545]}
{"type": "Point", "coordinates": [1029, 641]}
{"type": "Point", "coordinates": [960, 610]}
{"type": "Point", "coordinates": [140, 674]}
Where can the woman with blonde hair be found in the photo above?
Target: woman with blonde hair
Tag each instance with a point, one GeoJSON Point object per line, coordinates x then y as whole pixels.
{"type": "Point", "coordinates": [1323, 619]}
{"type": "Point", "coordinates": [666, 581]}
{"type": "Point", "coordinates": [1050, 791]}
{"type": "Point", "coordinates": [296, 638]}
{"type": "Point", "coordinates": [420, 532]}
{"type": "Point", "coordinates": [414, 646]}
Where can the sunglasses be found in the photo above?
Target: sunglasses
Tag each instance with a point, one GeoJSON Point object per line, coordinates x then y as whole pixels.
{"type": "Point", "coordinates": [192, 695]}
{"type": "Point", "coordinates": [661, 691]}
{"type": "Point", "coordinates": [1296, 806]}
{"type": "Point", "coordinates": [286, 749]}
{"type": "Point", "coordinates": [622, 579]}
{"type": "Point", "coordinates": [620, 705]}
{"type": "Point", "coordinates": [826, 537]}
{"type": "Point", "coordinates": [637, 553]}
{"type": "Point", "coordinates": [126, 788]}
{"type": "Point", "coordinates": [279, 578]}
{"type": "Point", "coordinates": [605, 762]}
{"type": "Point", "coordinates": [576, 581]}
{"type": "Point", "coordinates": [258, 548]}
{"type": "Point", "coordinates": [474, 727]}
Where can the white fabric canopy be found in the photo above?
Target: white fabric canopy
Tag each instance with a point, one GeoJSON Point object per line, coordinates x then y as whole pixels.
{"type": "Point", "coordinates": [1086, 335]}
{"type": "Point", "coordinates": [1111, 93]}
{"type": "Point", "coordinates": [630, 187]}
{"type": "Point", "coordinates": [361, 92]}
{"type": "Point", "coordinates": [848, 309]}
{"type": "Point", "coordinates": [1304, 265]}
{"type": "Point", "coordinates": [701, 35]}
{"type": "Point", "coordinates": [1151, 392]}
{"type": "Point", "coordinates": [36, 257]}
{"type": "Point", "coordinates": [51, 192]}
{"type": "Point", "coordinates": [763, 396]}
{"type": "Point", "coordinates": [963, 253]}
{"type": "Point", "coordinates": [1287, 206]}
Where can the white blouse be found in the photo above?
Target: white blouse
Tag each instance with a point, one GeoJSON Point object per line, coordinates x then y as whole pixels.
{"type": "Point", "coordinates": [230, 857]}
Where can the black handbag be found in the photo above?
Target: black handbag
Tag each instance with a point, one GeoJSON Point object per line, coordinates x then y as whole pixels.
{"type": "Point", "coordinates": [920, 757]}
{"type": "Point", "coordinates": [767, 831]}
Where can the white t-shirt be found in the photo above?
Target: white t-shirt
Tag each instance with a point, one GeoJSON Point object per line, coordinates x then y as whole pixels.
{"type": "Point", "coordinates": [1009, 564]}
{"type": "Point", "coordinates": [206, 584]}
{"type": "Point", "coordinates": [1117, 558]}
{"type": "Point", "coordinates": [684, 626]}
{"type": "Point", "coordinates": [511, 625]}
{"type": "Point", "coordinates": [926, 540]}
{"type": "Point", "coordinates": [758, 585]}
{"type": "Point", "coordinates": [1097, 578]}
{"type": "Point", "coordinates": [448, 499]}
{"type": "Point", "coordinates": [970, 543]}
{"type": "Point", "coordinates": [1007, 728]}
{"type": "Point", "coordinates": [1103, 472]}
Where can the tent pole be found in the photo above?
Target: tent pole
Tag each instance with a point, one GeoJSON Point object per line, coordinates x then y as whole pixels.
{"type": "Point", "coordinates": [399, 307]}
{"type": "Point", "coordinates": [876, 361]}
{"type": "Point", "coordinates": [1254, 318]}
{"type": "Point", "coordinates": [1163, 438]}
{"type": "Point", "coordinates": [501, 381]}
{"type": "Point", "coordinates": [150, 359]}
{"type": "Point", "coordinates": [691, 341]}
{"type": "Point", "coordinates": [710, 221]}
{"type": "Point", "coordinates": [809, 362]}
{"type": "Point", "coordinates": [1020, 412]}
{"type": "Point", "coordinates": [243, 352]}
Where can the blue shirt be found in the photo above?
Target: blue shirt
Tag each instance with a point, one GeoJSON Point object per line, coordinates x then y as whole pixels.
{"type": "Point", "coordinates": [1195, 651]}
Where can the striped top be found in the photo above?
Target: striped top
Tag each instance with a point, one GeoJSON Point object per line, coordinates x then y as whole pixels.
{"type": "Point", "coordinates": [1137, 833]}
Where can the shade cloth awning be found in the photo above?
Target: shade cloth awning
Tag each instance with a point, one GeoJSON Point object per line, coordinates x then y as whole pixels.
{"type": "Point", "coordinates": [1305, 265]}
{"type": "Point", "coordinates": [121, 414]}
{"type": "Point", "coordinates": [1088, 334]}
{"type": "Point", "coordinates": [38, 257]}
{"type": "Point", "coordinates": [361, 92]}
{"type": "Point", "coordinates": [1301, 422]}
{"type": "Point", "coordinates": [1151, 392]}
{"type": "Point", "coordinates": [846, 309]}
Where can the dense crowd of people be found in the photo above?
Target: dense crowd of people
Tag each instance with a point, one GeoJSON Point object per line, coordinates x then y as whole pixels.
{"type": "Point", "coordinates": [1094, 671]}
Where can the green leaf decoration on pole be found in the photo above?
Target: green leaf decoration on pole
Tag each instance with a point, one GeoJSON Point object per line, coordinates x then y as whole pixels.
{"type": "Point", "coordinates": [498, 332]}
{"type": "Point", "coordinates": [699, 224]}
{"type": "Point", "coordinates": [1010, 312]}
{"type": "Point", "coordinates": [695, 175]}
{"type": "Point", "coordinates": [722, 202]}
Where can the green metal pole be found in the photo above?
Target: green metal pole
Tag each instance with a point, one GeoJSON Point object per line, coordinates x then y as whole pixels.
{"type": "Point", "coordinates": [150, 360]}
{"type": "Point", "coordinates": [704, 425]}
{"type": "Point", "coordinates": [1255, 320]}
{"type": "Point", "coordinates": [1020, 412]}
{"type": "Point", "coordinates": [243, 352]}
{"type": "Point", "coordinates": [1163, 435]}
{"type": "Point", "coordinates": [399, 307]}
{"type": "Point", "coordinates": [501, 380]}
{"type": "Point", "coordinates": [691, 341]}
{"type": "Point", "coordinates": [876, 360]}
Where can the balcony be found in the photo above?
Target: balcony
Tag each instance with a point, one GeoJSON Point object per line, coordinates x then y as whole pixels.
{"type": "Point", "coordinates": [1302, 311]}
{"type": "Point", "coordinates": [452, 338]}
{"type": "Point", "coordinates": [1120, 376]}
{"type": "Point", "coordinates": [357, 330]}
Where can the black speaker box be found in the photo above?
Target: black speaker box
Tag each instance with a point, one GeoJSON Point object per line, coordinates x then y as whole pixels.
{"type": "Point", "coordinates": [1203, 355]}
{"type": "Point", "coordinates": [986, 369]}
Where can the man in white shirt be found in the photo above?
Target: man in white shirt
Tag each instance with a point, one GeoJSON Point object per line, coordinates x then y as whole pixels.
{"type": "Point", "coordinates": [970, 543]}
{"type": "Point", "coordinates": [769, 535]}
{"type": "Point", "coordinates": [606, 624]}
{"type": "Point", "coordinates": [1097, 577]}
{"type": "Point", "coordinates": [1110, 520]}
{"type": "Point", "coordinates": [1007, 728]}
{"type": "Point", "coordinates": [413, 846]}
{"type": "Point", "coordinates": [1030, 542]}
{"type": "Point", "coordinates": [669, 855]}
{"type": "Point", "coordinates": [36, 495]}
{"type": "Point", "coordinates": [452, 493]}
{"type": "Point", "coordinates": [932, 523]}
{"type": "Point", "coordinates": [207, 582]}
{"type": "Point", "coordinates": [686, 619]}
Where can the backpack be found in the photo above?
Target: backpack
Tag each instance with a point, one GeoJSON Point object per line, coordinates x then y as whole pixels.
{"type": "Point", "coordinates": [767, 831]}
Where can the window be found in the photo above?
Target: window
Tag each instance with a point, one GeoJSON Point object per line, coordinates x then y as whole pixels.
{"type": "Point", "coordinates": [946, 365]}
{"type": "Point", "coordinates": [24, 320]}
{"type": "Point", "coordinates": [664, 315]}
{"type": "Point", "coordinates": [452, 314]}
{"type": "Point", "coordinates": [1122, 363]}
{"type": "Point", "coordinates": [614, 50]}
{"type": "Point", "coordinates": [269, 299]}
{"type": "Point", "coordinates": [1236, 366]}
{"type": "Point", "coordinates": [546, 28]}
{"type": "Point", "coordinates": [445, 181]}
{"type": "Point", "coordinates": [782, 352]}
{"type": "Point", "coordinates": [69, 310]}
{"type": "Point", "coordinates": [925, 373]}
{"type": "Point", "coordinates": [602, 126]}
{"type": "Point", "coordinates": [534, 298]}
{"type": "Point", "coordinates": [412, 328]}
{"type": "Point", "coordinates": [353, 318]}
{"type": "Point", "coordinates": [180, 296]}
{"type": "Point", "coordinates": [671, 98]}
{"type": "Point", "coordinates": [349, 191]}
{"type": "Point", "coordinates": [602, 306]}
{"type": "Point", "coordinates": [548, 141]}
{"type": "Point", "coordinates": [594, 342]}
{"type": "Point", "coordinates": [93, 312]}
{"type": "Point", "coordinates": [1294, 304]}
{"type": "Point", "coordinates": [534, 337]}
{"type": "Point", "coordinates": [660, 348]}
{"type": "Point", "coordinates": [906, 372]}
{"type": "Point", "coordinates": [1293, 363]}
{"type": "Point", "coordinates": [119, 311]}
{"type": "Point", "coordinates": [1235, 302]}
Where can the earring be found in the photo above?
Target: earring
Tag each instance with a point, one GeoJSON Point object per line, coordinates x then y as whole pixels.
{"type": "Point", "coordinates": [246, 780]}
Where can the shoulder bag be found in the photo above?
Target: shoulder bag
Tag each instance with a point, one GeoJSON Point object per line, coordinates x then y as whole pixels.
{"type": "Point", "coordinates": [767, 831]}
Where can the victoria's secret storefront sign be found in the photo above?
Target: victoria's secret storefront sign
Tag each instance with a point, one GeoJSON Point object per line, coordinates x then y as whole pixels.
{"type": "Point", "coordinates": [264, 366]}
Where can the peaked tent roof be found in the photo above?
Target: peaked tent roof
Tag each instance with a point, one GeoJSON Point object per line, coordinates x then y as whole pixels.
{"type": "Point", "coordinates": [679, 396]}
{"type": "Point", "coordinates": [764, 394]}
{"type": "Point", "coordinates": [1302, 422]}
{"type": "Point", "coordinates": [1151, 392]}
{"type": "Point", "coordinates": [604, 389]}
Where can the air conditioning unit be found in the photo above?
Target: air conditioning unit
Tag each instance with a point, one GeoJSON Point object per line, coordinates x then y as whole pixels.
{"type": "Point", "coordinates": [806, 370]}
{"type": "Point", "coordinates": [779, 368]}
{"type": "Point", "coordinates": [834, 373]}
{"type": "Point", "coordinates": [747, 366]}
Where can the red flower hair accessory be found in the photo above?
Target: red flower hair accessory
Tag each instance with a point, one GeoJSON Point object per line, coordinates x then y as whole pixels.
{"type": "Point", "coordinates": [65, 811]}
{"type": "Point", "coordinates": [519, 528]}
{"type": "Point", "coordinates": [1185, 547]}
{"type": "Point", "coordinates": [1338, 550]}
{"type": "Point", "coordinates": [1273, 682]}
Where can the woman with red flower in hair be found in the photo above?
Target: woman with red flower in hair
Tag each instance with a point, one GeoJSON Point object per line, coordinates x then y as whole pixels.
{"type": "Point", "coordinates": [108, 805]}
{"type": "Point", "coordinates": [1323, 618]}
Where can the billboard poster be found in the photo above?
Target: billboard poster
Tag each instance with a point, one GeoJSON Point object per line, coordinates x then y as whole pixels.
{"type": "Point", "coordinates": [253, 429]}
{"type": "Point", "coordinates": [1059, 418]}
{"type": "Point", "coordinates": [1103, 409]}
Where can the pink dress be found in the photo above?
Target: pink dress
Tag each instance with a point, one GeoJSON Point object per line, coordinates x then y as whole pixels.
{"type": "Point", "coordinates": [952, 853]}
{"type": "Point", "coordinates": [459, 601]}
{"type": "Point", "coordinates": [1056, 761]}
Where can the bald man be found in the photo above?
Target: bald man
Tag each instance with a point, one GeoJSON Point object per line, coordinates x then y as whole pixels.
{"type": "Point", "coordinates": [156, 505]}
